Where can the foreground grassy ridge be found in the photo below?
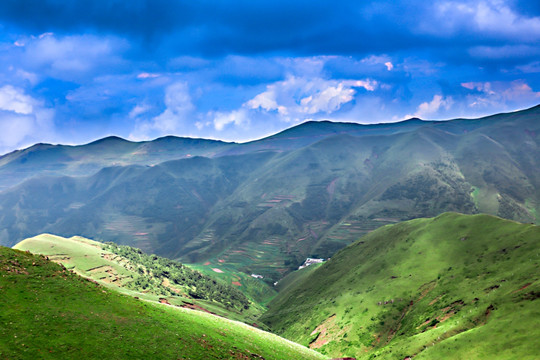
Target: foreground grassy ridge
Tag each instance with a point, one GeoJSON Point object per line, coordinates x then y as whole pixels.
{"type": "Point", "coordinates": [455, 286]}
{"type": "Point", "coordinates": [149, 277]}
{"type": "Point", "coordinates": [49, 312]}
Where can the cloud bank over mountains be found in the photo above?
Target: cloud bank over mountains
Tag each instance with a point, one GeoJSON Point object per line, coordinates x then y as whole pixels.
{"type": "Point", "coordinates": [240, 70]}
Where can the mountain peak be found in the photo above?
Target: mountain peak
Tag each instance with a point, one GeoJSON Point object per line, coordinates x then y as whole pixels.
{"type": "Point", "coordinates": [109, 139]}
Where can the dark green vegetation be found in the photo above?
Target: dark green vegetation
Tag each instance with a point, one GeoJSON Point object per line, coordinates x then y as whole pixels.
{"type": "Point", "coordinates": [264, 206]}
{"type": "Point", "coordinates": [148, 277]}
{"type": "Point", "coordinates": [196, 285]}
{"type": "Point", "coordinates": [48, 312]}
{"type": "Point", "coordinates": [451, 287]}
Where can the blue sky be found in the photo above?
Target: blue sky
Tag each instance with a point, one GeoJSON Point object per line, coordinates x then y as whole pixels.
{"type": "Point", "coordinates": [75, 71]}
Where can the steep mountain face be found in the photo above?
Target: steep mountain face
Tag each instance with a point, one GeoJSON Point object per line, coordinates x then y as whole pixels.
{"type": "Point", "coordinates": [454, 286]}
{"type": "Point", "coordinates": [264, 206]}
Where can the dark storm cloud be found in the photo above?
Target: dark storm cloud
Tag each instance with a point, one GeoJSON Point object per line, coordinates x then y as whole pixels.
{"type": "Point", "coordinates": [527, 7]}
{"type": "Point", "coordinates": [224, 27]}
{"type": "Point", "coordinates": [454, 31]}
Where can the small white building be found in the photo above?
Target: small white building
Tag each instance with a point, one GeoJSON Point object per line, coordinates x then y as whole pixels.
{"type": "Point", "coordinates": [310, 261]}
{"type": "Point", "coordinates": [257, 276]}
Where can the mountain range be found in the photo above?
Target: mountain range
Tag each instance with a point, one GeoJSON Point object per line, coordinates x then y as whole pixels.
{"type": "Point", "coordinates": [262, 207]}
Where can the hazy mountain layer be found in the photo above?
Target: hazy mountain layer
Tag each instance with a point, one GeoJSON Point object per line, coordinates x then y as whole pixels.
{"type": "Point", "coordinates": [262, 207]}
{"type": "Point", "coordinates": [55, 160]}
{"type": "Point", "coordinates": [451, 287]}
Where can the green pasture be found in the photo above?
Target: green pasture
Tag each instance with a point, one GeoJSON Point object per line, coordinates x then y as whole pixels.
{"type": "Point", "coordinates": [454, 286]}
{"type": "Point", "coordinates": [51, 313]}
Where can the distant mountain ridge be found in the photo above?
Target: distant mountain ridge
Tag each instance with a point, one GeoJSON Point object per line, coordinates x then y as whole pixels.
{"type": "Point", "coordinates": [264, 206]}
{"type": "Point", "coordinates": [81, 160]}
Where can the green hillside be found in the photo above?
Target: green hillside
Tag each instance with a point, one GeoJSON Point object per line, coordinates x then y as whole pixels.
{"type": "Point", "coordinates": [51, 313]}
{"type": "Point", "coordinates": [264, 206]}
{"type": "Point", "coordinates": [455, 286]}
{"type": "Point", "coordinates": [148, 277]}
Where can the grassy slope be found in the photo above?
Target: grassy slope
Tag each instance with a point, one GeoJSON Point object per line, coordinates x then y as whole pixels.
{"type": "Point", "coordinates": [295, 277]}
{"type": "Point", "coordinates": [50, 313]}
{"type": "Point", "coordinates": [455, 286]}
{"type": "Point", "coordinates": [256, 289]}
{"type": "Point", "coordinates": [85, 257]}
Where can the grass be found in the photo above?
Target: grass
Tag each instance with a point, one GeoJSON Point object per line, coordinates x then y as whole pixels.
{"type": "Point", "coordinates": [454, 286]}
{"type": "Point", "coordinates": [51, 313]}
{"type": "Point", "coordinates": [77, 253]}
{"type": "Point", "coordinates": [256, 289]}
{"type": "Point", "coordinates": [295, 277]}
{"type": "Point", "coordinates": [91, 259]}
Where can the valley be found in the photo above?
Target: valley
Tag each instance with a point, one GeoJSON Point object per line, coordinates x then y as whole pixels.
{"type": "Point", "coordinates": [269, 180]}
{"type": "Point", "coordinates": [427, 231]}
{"type": "Point", "coordinates": [265, 206]}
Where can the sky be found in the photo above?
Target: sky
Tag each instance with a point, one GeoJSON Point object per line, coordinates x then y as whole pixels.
{"type": "Point", "coordinates": [75, 71]}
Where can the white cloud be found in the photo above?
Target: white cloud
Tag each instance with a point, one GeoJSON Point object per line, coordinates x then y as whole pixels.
{"type": "Point", "coordinates": [44, 35]}
{"type": "Point", "coordinates": [265, 100]}
{"type": "Point", "coordinates": [30, 77]}
{"type": "Point", "coordinates": [199, 125]}
{"type": "Point", "coordinates": [238, 117]}
{"type": "Point", "coordinates": [491, 17]}
{"type": "Point", "coordinates": [297, 97]}
{"type": "Point", "coordinates": [14, 129]}
{"type": "Point", "coordinates": [498, 94]}
{"type": "Point", "coordinates": [497, 17]}
{"type": "Point", "coordinates": [179, 108]}
{"type": "Point", "coordinates": [431, 108]}
{"type": "Point", "coordinates": [327, 100]}
{"type": "Point", "coordinates": [179, 105]}
{"type": "Point", "coordinates": [145, 75]}
{"type": "Point", "coordinates": [65, 57]}
{"type": "Point", "coordinates": [23, 119]}
{"type": "Point", "coordinates": [14, 99]}
{"type": "Point", "coordinates": [138, 110]}
{"type": "Point", "coordinates": [379, 60]}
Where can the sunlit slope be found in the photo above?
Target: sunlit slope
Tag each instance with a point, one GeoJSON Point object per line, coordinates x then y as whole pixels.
{"type": "Point", "coordinates": [51, 313]}
{"type": "Point", "coordinates": [454, 286]}
{"type": "Point", "coordinates": [132, 272]}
